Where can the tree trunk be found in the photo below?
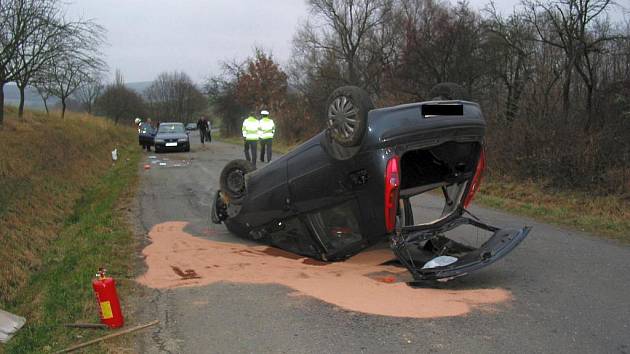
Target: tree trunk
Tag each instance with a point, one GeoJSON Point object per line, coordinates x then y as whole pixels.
{"type": "Point", "coordinates": [21, 106]}
{"type": "Point", "coordinates": [46, 105]}
{"type": "Point", "coordinates": [508, 105]}
{"type": "Point", "coordinates": [589, 107]}
{"type": "Point", "coordinates": [63, 107]}
{"type": "Point", "coordinates": [1, 103]}
{"type": "Point", "coordinates": [566, 94]}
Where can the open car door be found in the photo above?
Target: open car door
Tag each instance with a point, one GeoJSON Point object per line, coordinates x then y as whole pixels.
{"type": "Point", "coordinates": [449, 245]}
{"type": "Point", "coordinates": [429, 254]}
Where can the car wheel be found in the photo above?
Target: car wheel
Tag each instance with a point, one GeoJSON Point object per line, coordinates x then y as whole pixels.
{"type": "Point", "coordinates": [346, 115]}
{"type": "Point", "coordinates": [187, 149]}
{"type": "Point", "coordinates": [448, 91]}
{"type": "Point", "coordinates": [232, 179]}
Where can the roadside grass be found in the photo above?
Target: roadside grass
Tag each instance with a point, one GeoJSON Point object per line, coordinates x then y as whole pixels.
{"type": "Point", "coordinates": [607, 216]}
{"type": "Point", "coordinates": [46, 164]}
{"type": "Point", "coordinates": [57, 186]}
{"type": "Point", "coordinates": [95, 235]}
{"type": "Point", "coordinates": [600, 215]}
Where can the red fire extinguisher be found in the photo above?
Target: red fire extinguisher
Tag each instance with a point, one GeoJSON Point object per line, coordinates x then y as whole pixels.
{"type": "Point", "coordinates": [107, 298]}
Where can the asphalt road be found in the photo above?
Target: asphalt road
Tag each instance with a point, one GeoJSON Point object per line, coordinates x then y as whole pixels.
{"type": "Point", "coordinates": [571, 290]}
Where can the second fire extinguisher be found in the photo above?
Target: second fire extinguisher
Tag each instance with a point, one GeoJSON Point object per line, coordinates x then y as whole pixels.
{"type": "Point", "coordinates": [107, 298]}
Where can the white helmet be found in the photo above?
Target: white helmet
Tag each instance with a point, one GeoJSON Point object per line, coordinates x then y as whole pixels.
{"type": "Point", "coordinates": [138, 120]}
{"type": "Point", "coordinates": [264, 113]}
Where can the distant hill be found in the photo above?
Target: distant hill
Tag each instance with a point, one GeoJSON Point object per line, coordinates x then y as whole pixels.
{"type": "Point", "coordinates": [139, 86]}
{"type": "Point", "coordinates": [32, 98]}
{"type": "Point", "coordinates": [34, 101]}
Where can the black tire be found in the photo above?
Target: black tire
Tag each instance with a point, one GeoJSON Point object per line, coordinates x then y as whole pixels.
{"type": "Point", "coordinates": [448, 91]}
{"type": "Point", "coordinates": [232, 179]}
{"type": "Point", "coordinates": [346, 115]}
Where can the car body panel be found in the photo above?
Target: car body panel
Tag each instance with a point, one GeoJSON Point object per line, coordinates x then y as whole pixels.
{"type": "Point", "coordinates": [326, 201]}
{"type": "Point", "coordinates": [146, 134]}
{"type": "Point", "coordinates": [496, 247]}
{"type": "Point", "coordinates": [168, 140]}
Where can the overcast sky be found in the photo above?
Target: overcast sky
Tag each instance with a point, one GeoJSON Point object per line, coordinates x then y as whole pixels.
{"type": "Point", "coordinates": [147, 37]}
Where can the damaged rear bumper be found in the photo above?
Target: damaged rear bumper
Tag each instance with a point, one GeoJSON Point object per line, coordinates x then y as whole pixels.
{"type": "Point", "coordinates": [409, 245]}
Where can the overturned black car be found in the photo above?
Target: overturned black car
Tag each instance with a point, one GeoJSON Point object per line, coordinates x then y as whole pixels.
{"type": "Point", "coordinates": [352, 186]}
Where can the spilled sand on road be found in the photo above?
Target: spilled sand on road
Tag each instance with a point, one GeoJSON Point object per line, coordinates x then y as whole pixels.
{"type": "Point", "coordinates": [362, 283]}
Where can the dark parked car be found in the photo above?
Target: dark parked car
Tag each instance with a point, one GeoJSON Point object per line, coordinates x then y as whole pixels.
{"type": "Point", "coordinates": [353, 185]}
{"type": "Point", "coordinates": [191, 126]}
{"type": "Point", "coordinates": [171, 136]}
{"type": "Point", "coordinates": [146, 134]}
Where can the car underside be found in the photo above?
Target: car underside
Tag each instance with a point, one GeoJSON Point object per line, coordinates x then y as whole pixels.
{"type": "Point", "coordinates": [374, 175]}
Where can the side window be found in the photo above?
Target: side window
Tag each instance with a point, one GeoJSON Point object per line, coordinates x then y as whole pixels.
{"type": "Point", "coordinates": [292, 236]}
{"type": "Point", "coordinates": [337, 228]}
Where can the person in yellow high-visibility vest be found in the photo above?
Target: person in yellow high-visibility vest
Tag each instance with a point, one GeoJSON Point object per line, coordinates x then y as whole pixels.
{"type": "Point", "coordinates": [251, 134]}
{"type": "Point", "coordinates": [267, 130]}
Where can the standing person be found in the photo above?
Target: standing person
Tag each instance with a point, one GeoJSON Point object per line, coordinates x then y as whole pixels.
{"type": "Point", "coordinates": [267, 130]}
{"type": "Point", "coordinates": [146, 134]}
{"type": "Point", "coordinates": [151, 131]}
{"type": "Point", "coordinates": [202, 126]}
{"type": "Point", "coordinates": [209, 129]}
{"type": "Point", "coordinates": [251, 132]}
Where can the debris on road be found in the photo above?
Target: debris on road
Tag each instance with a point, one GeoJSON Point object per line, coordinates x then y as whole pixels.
{"type": "Point", "coordinates": [9, 324]}
{"type": "Point", "coordinates": [187, 274]}
{"type": "Point", "coordinates": [165, 162]}
{"type": "Point", "coordinates": [108, 301]}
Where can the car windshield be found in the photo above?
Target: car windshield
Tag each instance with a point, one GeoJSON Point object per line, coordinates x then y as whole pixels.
{"type": "Point", "coordinates": [171, 128]}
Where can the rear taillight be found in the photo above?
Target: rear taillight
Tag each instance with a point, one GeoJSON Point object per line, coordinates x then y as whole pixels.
{"type": "Point", "coordinates": [392, 183]}
{"type": "Point", "coordinates": [474, 185]}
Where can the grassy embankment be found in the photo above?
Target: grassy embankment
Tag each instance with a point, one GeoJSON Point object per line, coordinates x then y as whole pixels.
{"type": "Point", "coordinates": [601, 215]}
{"type": "Point", "coordinates": [62, 217]}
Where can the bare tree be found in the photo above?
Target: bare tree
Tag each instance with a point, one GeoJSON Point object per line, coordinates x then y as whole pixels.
{"type": "Point", "coordinates": [343, 29]}
{"type": "Point", "coordinates": [90, 91]}
{"type": "Point", "coordinates": [509, 40]}
{"type": "Point", "coordinates": [43, 93]}
{"type": "Point", "coordinates": [173, 96]}
{"type": "Point", "coordinates": [569, 26]}
{"type": "Point", "coordinates": [40, 44]}
{"type": "Point", "coordinates": [442, 44]}
{"type": "Point", "coordinates": [15, 16]}
{"type": "Point", "coordinates": [78, 62]}
{"type": "Point", "coordinates": [118, 102]}
{"type": "Point", "coordinates": [223, 97]}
